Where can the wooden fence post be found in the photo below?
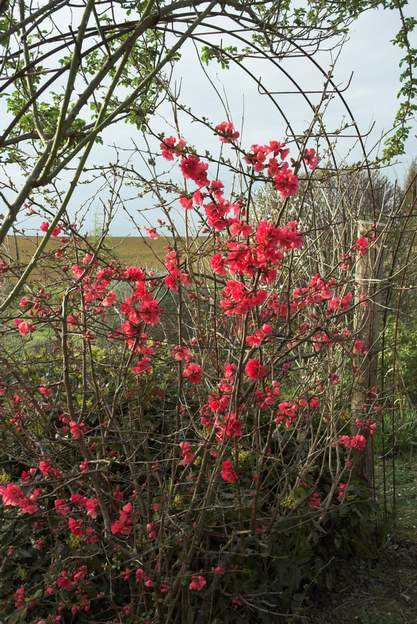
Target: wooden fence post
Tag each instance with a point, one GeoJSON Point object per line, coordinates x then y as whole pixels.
{"type": "Point", "coordinates": [368, 276]}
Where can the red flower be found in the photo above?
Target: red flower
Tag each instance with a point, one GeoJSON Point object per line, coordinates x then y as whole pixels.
{"type": "Point", "coordinates": [151, 530]}
{"type": "Point", "coordinates": [44, 227]}
{"type": "Point", "coordinates": [45, 391]}
{"type": "Point", "coordinates": [193, 373]}
{"type": "Point", "coordinates": [361, 245]}
{"type": "Point", "coordinates": [141, 577]}
{"type": "Point", "coordinates": [13, 496]}
{"type": "Point", "coordinates": [314, 402]}
{"type": "Point", "coordinates": [77, 271]}
{"type": "Point", "coordinates": [359, 347]}
{"type": "Point", "coordinates": [152, 233]}
{"type": "Point", "coordinates": [125, 574]}
{"type": "Point", "coordinates": [80, 574]}
{"type": "Point", "coordinates": [314, 500]}
{"type": "Point", "coordinates": [39, 544]}
{"type": "Point", "coordinates": [217, 264]}
{"type": "Point", "coordinates": [124, 523]}
{"type": "Point", "coordinates": [194, 169]}
{"type": "Point", "coordinates": [19, 597]}
{"type": "Point", "coordinates": [341, 490]}
{"type": "Point", "coordinates": [186, 203]}
{"type": "Point", "coordinates": [227, 132]}
{"type": "Point", "coordinates": [278, 149]}
{"type": "Point", "coordinates": [61, 507]}
{"type": "Point", "coordinates": [357, 441]}
{"type": "Point", "coordinates": [255, 370]}
{"type": "Point", "coordinates": [216, 214]}
{"type": "Point", "coordinates": [91, 507]}
{"type": "Point", "coordinates": [180, 353]}
{"type": "Point", "coordinates": [286, 183]}
{"type": "Point", "coordinates": [257, 156]}
{"type": "Point", "coordinates": [45, 468]}
{"type": "Point", "coordinates": [366, 425]}
{"type": "Point", "coordinates": [142, 366]}
{"type": "Point", "coordinates": [255, 339]}
{"type": "Point", "coordinates": [227, 472]}
{"type": "Point", "coordinates": [198, 197]}
{"type": "Point", "coordinates": [75, 527]}
{"type": "Point", "coordinates": [197, 583]}
{"type": "Point", "coordinates": [134, 274]}
{"type": "Point", "coordinates": [229, 427]}
{"type": "Point", "coordinates": [149, 311]}
{"type": "Point", "coordinates": [236, 299]}
{"type": "Point", "coordinates": [187, 454]}
{"type": "Point", "coordinates": [109, 299]}
{"type": "Point", "coordinates": [77, 430]}
{"type": "Point", "coordinates": [287, 413]}
{"type": "Point", "coordinates": [310, 158]}
{"type": "Point", "coordinates": [170, 147]}
{"type": "Point", "coordinates": [24, 327]}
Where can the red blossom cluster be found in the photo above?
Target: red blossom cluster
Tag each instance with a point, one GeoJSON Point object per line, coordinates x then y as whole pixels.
{"type": "Point", "coordinates": [171, 147]}
{"type": "Point", "coordinates": [141, 577]}
{"type": "Point", "coordinates": [13, 496]}
{"type": "Point", "coordinates": [289, 411]}
{"type": "Point", "coordinates": [197, 583]}
{"type": "Point", "coordinates": [44, 227]}
{"type": "Point", "coordinates": [361, 245]}
{"type": "Point", "coordinates": [124, 524]}
{"type": "Point", "coordinates": [176, 275]}
{"type": "Point", "coordinates": [255, 370]}
{"type": "Point", "coordinates": [193, 373]}
{"type": "Point", "coordinates": [227, 471]}
{"type": "Point", "coordinates": [353, 442]}
{"type": "Point", "coordinates": [24, 327]}
{"type": "Point", "coordinates": [187, 455]}
{"type": "Point", "coordinates": [342, 487]}
{"type": "Point", "coordinates": [314, 500]}
{"type": "Point", "coordinates": [310, 158]}
{"type": "Point", "coordinates": [267, 397]}
{"type": "Point", "coordinates": [227, 132]}
{"type": "Point", "coordinates": [369, 426]}
{"type": "Point", "coordinates": [223, 400]}
{"type": "Point", "coordinates": [227, 426]}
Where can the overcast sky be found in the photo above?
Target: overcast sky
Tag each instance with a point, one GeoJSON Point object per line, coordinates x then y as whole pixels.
{"type": "Point", "coordinates": [372, 97]}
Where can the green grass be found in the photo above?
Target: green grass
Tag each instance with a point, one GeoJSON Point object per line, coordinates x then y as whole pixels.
{"type": "Point", "coordinates": [402, 480]}
{"type": "Point", "coordinates": [400, 433]}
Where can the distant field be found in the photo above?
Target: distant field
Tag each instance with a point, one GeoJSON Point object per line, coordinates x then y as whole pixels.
{"type": "Point", "coordinates": [129, 250]}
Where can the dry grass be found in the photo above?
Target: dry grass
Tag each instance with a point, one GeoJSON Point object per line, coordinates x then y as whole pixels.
{"type": "Point", "coordinates": [129, 250]}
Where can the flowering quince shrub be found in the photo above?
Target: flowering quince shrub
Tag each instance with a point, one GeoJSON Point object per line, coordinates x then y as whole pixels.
{"type": "Point", "coordinates": [149, 476]}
